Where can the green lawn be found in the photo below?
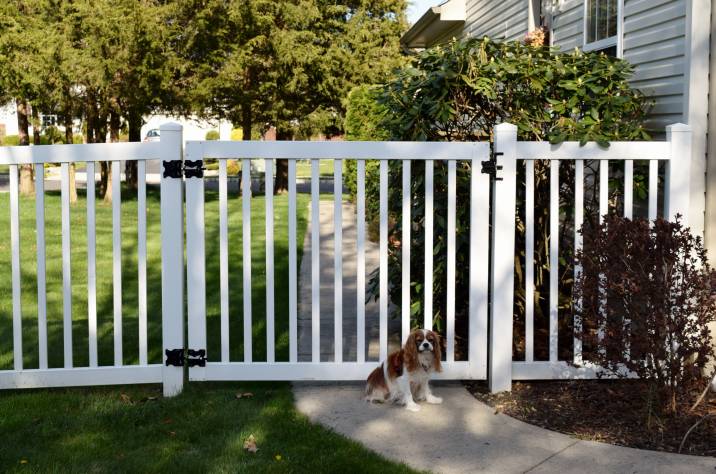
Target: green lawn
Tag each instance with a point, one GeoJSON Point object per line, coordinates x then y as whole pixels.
{"type": "Point", "coordinates": [303, 168]}
{"type": "Point", "coordinates": [134, 429]}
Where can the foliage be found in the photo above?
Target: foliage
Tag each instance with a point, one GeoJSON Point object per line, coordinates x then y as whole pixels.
{"type": "Point", "coordinates": [460, 91]}
{"type": "Point", "coordinates": [212, 135]}
{"type": "Point", "coordinates": [10, 140]}
{"type": "Point", "coordinates": [364, 116]}
{"type": "Point", "coordinates": [657, 281]}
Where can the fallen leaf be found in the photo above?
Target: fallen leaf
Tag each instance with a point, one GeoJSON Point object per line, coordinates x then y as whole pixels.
{"type": "Point", "coordinates": [278, 457]}
{"type": "Point", "coordinates": [125, 398]}
{"type": "Point", "coordinates": [240, 395]}
{"type": "Point", "coordinates": [172, 433]}
{"type": "Point", "coordinates": [166, 421]}
{"type": "Point", "coordinates": [250, 444]}
{"type": "Point", "coordinates": [23, 461]}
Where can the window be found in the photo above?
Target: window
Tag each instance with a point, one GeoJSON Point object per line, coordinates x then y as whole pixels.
{"type": "Point", "coordinates": [601, 25]}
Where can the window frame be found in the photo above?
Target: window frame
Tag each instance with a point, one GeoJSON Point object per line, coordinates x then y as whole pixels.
{"type": "Point", "coordinates": [616, 40]}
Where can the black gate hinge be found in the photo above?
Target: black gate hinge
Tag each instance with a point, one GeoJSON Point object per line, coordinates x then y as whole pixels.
{"type": "Point", "coordinates": [188, 169]}
{"type": "Point", "coordinates": [176, 357]}
{"type": "Point", "coordinates": [491, 167]}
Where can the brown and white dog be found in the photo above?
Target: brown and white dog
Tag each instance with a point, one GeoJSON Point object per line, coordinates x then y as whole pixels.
{"type": "Point", "coordinates": [403, 378]}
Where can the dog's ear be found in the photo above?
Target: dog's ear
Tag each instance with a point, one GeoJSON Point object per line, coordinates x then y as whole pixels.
{"type": "Point", "coordinates": [410, 353]}
{"type": "Point", "coordinates": [438, 352]}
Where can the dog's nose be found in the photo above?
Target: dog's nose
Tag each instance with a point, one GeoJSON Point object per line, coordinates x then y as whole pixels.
{"type": "Point", "coordinates": [426, 345]}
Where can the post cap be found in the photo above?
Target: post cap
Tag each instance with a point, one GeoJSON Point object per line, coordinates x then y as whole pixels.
{"type": "Point", "coordinates": [171, 127]}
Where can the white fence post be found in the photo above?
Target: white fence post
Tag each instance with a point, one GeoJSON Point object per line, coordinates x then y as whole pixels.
{"type": "Point", "coordinates": [172, 230]}
{"type": "Point", "coordinates": [503, 260]}
{"type": "Point", "coordinates": [678, 173]}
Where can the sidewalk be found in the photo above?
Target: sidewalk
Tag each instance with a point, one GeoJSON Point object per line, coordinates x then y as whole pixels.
{"type": "Point", "coordinates": [465, 435]}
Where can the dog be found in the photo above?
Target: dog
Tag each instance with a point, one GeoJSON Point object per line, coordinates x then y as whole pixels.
{"type": "Point", "coordinates": [404, 377]}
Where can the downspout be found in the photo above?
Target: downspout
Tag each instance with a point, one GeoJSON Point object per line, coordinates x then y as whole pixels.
{"type": "Point", "coordinates": [710, 223]}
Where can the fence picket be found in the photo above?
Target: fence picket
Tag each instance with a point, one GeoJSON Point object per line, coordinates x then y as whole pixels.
{"type": "Point", "coordinates": [195, 253]}
{"type": "Point", "coordinates": [383, 337]}
{"type": "Point", "coordinates": [338, 260]}
{"type": "Point", "coordinates": [142, 258]}
{"type": "Point", "coordinates": [450, 304]}
{"type": "Point", "coordinates": [224, 261]}
{"type": "Point", "coordinates": [529, 258]}
{"type": "Point", "coordinates": [270, 331]}
{"type": "Point", "coordinates": [292, 266]}
{"type": "Point", "coordinates": [117, 261]}
{"type": "Point", "coordinates": [66, 264]}
{"type": "Point", "coordinates": [91, 266]}
{"type": "Point", "coordinates": [360, 260]}
{"type": "Point", "coordinates": [246, 222]}
{"type": "Point", "coordinates": [578, 220]}
{"type": "Point", "coordinates": [653, 188]}
{"type": "Point", "coordinates": [15, 252]}
{"type": "Point", "coordinates": [41, 277]}
{"type": "Point", "coordinates": [405, 253]}
{"type": "Point", "coordinates": [428, 288]}
{"type": "Point", "coordinates": [553, 259]}
{"type": "Point", "coordinates": [315, 262]}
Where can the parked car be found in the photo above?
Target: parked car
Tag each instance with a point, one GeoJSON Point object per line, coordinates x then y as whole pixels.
{"type": "Point", "coordinates": [152, 135]}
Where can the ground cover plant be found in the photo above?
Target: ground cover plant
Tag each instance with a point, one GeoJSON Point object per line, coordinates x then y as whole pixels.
{"type": "Point", "coordinates": [133, 428]}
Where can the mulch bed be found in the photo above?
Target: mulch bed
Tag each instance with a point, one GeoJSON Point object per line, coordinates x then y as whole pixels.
{"type": "Point", "coordinates": [611, 411]}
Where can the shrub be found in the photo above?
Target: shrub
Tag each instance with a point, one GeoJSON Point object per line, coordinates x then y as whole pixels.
{"type": "Point", "coordinates": [212, 135]}
{"type": "Point", "coordinates": [11, 140]}
{"type": "Point", "coordinates": [460, 91]}
{"type": "Point", "coordinates": [232, 167]}
{"type": "Point", "coordinates": [237, 134]}
{"type": "Point", "coordinates": [657, 285]}
{"type": "Point", "coordinates": [363, 122]}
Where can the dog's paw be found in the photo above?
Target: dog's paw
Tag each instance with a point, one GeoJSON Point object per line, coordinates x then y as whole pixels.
{"type": "Point", "coordinates": [433, 400]}
{"type": "Point", "coordinates": [414, 407]}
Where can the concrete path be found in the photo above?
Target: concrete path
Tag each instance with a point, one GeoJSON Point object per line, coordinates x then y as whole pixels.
{"type": "Point", "coordinates": [327, 245]}
{"type": "Point", "coordinates": [465, 435]}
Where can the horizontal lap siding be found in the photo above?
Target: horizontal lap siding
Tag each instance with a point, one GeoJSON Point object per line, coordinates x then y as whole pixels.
{"type": "Point", "coordinates": [568, 25]}
{"type": "Point", "coordinates": [500, 20]}
{"type": "Point", "coordinates": [655, 44]}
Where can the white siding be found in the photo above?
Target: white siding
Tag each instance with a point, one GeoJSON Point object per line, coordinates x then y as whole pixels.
{"type": "Point", "coordinates": [500, 20]}
{"type": "Point", "coordinates": [568, 25]}
{"type": "Point", "coordinates": [654, 42]}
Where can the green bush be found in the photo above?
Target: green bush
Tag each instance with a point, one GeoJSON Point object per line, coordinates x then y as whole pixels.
{"type": "Point", "coordinates": [459, 92]}
{"type": "Point", "coordinates": [11, 140]}
{"type": "Point", "coordinates": [363, 122]}
{"type": "Point", "coordinates": [212, 135]}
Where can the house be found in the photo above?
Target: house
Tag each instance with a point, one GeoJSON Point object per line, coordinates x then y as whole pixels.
{"type": "Point", "coordinates": [667, 41]}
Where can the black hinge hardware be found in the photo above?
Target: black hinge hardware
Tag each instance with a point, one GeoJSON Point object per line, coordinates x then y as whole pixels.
{"type": "Point", "coordinates": [172, 169]}
{"type": "Point", "coordinates": [197, 357]}
{"type": "Point", "coordinates": [188, 169]}
{"type": "Point", "coordinates": [175, 357]}
{"type": "Point", "coordinates": [193, 168]}
{"type": "Point", "coordinates": [193, 357]}
{"type": "Point", "coordinates": [491, 167]}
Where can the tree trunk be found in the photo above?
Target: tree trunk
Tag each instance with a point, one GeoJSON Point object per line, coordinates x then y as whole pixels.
{"type": "Point", "coordinates": [246, 121]}
{"type": "Point", "coordinates": [69, 138]}
{"type": "Point", "coordinates": [35, 126]}
{"type": "Point", "coordinates": [27, 185]}
{"type": "Point", "coordinates": [113, 138]}
{"type": "Point", "coordinates": [281, 180]}
{"type": "Point", "coordinates": [135, 135]}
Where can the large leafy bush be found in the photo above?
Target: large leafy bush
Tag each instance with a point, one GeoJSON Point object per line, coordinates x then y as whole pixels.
{"type": "Point", "coordinates": [645, 288]}
{"type": "Point", "coordinates": [460, 91]}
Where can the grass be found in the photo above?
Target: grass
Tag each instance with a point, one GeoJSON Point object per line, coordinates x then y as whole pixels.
{"type": "Point", "coordinates": [303, 168]}
{"type": "Point", "coordinates": [133, 428]}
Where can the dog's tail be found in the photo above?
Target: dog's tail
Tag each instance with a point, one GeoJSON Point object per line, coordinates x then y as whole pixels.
{"type": "Point", "coordinates": [375, 383]}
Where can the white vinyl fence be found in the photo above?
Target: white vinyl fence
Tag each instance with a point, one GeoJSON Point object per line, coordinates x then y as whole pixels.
{"type": "Point", "coordinates": [493, 243]}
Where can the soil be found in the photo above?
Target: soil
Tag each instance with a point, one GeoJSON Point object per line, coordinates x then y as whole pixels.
{"type": "Point", "coordinates": [610, 411]}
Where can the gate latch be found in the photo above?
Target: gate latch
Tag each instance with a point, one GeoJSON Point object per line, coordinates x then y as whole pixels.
{"type": "Point", "coordinates": [188, 169]}
{"type": "Point", "coordinates": [193, 358]}
{"type": "Point", "coordinates": [491, 167]}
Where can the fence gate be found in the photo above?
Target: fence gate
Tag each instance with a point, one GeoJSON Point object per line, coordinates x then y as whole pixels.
{"type": "Point", "coordinates": [402, 155]}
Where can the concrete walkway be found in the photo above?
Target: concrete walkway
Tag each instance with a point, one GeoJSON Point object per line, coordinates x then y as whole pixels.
{"type": "Point", "coordinates": [327, 245]}
{"type": "Point", "coordinates": [465, 435]}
